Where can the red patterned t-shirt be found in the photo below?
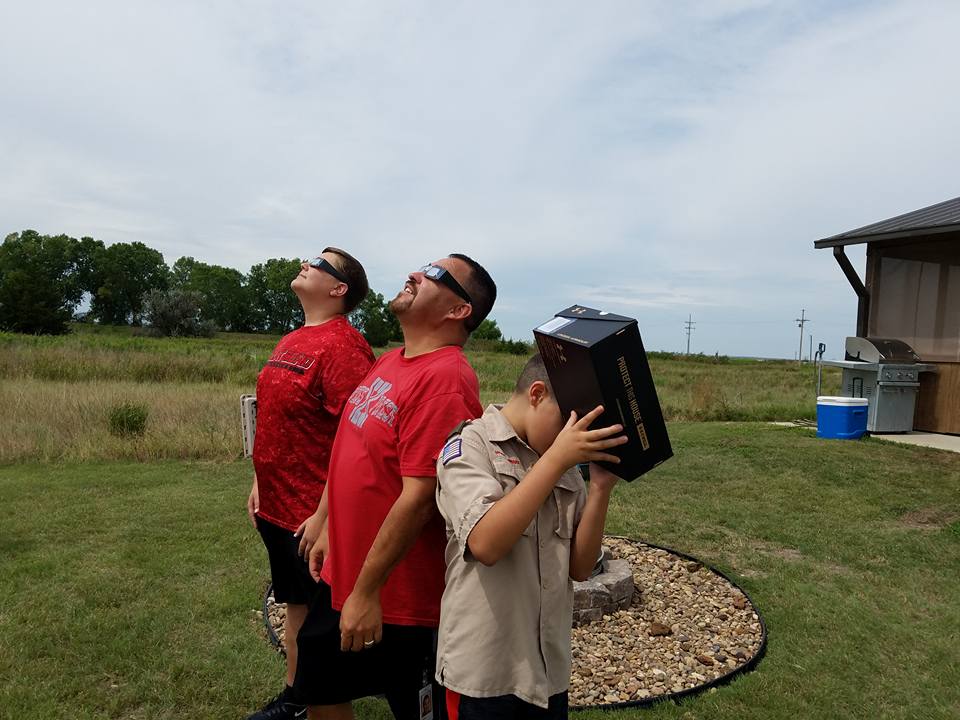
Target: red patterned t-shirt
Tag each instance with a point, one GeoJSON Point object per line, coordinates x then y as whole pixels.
{"type": "Point", "coordinates": [300, 395]}
{"type": "Point", "coordinates": [394, 425]}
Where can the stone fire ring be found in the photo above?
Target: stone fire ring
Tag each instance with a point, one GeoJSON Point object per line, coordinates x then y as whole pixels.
{"type": "Point", "coordinates": [603, 676]}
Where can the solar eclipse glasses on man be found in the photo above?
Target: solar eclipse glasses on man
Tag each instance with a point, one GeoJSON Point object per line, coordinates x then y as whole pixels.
{"type": "Point", "coordinates": [321, 264]}
{"type": "Point", "coordinates": [443, 276]}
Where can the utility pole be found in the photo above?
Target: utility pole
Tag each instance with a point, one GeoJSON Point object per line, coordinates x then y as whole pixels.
{"type": "Point", "coordinates": [689, 324]}
{"type": "Point", "coordinates": [810, 355]}
{"type": "Point", "coordinates": [801, 321]}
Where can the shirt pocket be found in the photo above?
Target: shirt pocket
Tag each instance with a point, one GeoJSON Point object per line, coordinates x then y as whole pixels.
{"type": "Point", "coordinates": [566, 501]}
{"type": "Point", "coordinates": [510, 474]}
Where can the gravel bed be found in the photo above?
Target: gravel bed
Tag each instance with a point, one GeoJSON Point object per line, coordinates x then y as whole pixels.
{"type": "Point", "coordinates": [686, 627]}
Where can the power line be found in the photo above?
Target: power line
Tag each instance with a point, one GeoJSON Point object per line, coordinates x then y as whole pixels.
{"type": "Point", "coordinates": [801, 321]}
{"type": "Point", "coordinates": [690, 326]}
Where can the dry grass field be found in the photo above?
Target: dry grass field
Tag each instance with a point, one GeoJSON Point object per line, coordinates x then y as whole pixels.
{"type": "Point", "coordinates": [61, 391]}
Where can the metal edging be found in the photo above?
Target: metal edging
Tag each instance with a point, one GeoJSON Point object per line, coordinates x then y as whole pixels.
{"type": "Point", "coordinates": [271, 633]}
{"type": "Point", "coordinates": [716, 682]}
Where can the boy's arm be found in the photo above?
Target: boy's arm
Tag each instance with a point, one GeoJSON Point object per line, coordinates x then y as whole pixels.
{"type": "Point", "coordinates": [500, 528]}
{"type": "Point", "coordinates": [468, 486]}
{"type": "Point", "coordinates": [585, 547]}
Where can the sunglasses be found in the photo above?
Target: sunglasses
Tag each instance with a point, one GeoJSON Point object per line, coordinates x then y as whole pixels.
{"type": "Point", "coordinates": [320, 264]}
{"type": "Point", "coordinates": [443, 276]}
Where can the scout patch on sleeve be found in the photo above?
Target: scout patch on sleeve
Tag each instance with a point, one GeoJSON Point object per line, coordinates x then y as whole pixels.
{"type": "Point", "coordinates": [451, 451]}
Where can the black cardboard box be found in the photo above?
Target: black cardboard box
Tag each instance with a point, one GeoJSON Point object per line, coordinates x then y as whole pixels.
{"type": "Point", "coordinates": [597, 358]}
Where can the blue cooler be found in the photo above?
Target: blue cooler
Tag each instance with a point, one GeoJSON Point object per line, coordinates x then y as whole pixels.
{"type": "Point", "coordinates": [841, 418]}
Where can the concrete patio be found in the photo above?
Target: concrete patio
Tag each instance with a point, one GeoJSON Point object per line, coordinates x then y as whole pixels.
{"type": "Point", "coordinates": [938, 441]}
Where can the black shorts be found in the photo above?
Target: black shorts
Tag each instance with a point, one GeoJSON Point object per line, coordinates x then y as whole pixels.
{"type": "Point", "coordinates": [289, 572]}
{"type": "Point", "coordinates": [504, 707]}
{"type": "Point", "coordinates": [396, 667]}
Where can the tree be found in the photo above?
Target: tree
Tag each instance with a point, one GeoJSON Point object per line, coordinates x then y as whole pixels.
{"type": "Point", "coordinates": [224, 298]}
{"type": "Point", "coordinates": [120, 277]}
{"type": "Point", "coordinates": [273, 304]}
{"type": "Point", "coordinates": [39, 285]}
{"type": "Point", "coordinates": [487, 330]}
{"type": "Point", "coordinates": [175, 312]}
{"type": "Point", "coordinates": [374, 320]}
{"type": "Point", "coordinates": [88, 253]}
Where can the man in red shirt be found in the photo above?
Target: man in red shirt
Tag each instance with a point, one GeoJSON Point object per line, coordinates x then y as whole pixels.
{"type": "Point", "coordinates": [372, 626]}
{"type": "Point", "coordinates": [300, 395]}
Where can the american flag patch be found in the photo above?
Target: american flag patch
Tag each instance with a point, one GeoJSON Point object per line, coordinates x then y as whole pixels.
{"type": "Point", "coordinates": [451, 451]}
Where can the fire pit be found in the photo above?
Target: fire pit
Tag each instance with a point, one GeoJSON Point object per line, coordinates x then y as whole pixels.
{"type": "Point", "coordinates": [609, 589]}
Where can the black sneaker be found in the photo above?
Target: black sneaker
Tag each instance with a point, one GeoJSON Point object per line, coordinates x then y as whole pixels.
{"type": "Point", "coordinates": [279, 709]}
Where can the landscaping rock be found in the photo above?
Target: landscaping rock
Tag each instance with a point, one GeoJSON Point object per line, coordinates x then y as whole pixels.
{"type": "Point", "coordinates": [659, 630]}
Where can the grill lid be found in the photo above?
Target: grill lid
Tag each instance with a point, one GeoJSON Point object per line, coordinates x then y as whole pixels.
{"type": "Point", "coordinates": [880, 350]}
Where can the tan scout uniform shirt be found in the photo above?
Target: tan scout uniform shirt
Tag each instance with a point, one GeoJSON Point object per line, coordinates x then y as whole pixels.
{"type": "Point", "coordinates": [505, 629]}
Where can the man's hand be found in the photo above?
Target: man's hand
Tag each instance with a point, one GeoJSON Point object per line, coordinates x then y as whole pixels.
{"type": "Point", "coordinates": [577, 444]}
{"type": "Point", "coordinates": [253, 502]}
{"type": "Point", "coordinates": [318, 553]}
{"type": "Point", "coordinates": [308, 532]}
{"type": "Point", "coordinates": [361, 622]}
{"type": "Point", "coordinates": [313, 543]}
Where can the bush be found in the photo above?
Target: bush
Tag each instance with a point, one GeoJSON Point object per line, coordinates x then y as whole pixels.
{"type": "Point", "coordinates": [128, 419]}
{"type": "Point", "coordinates": [487, 330]}
{"type": "Point", "coordinates": [176, 313]}
{"type": "Point", "coordinates": [515, 347]}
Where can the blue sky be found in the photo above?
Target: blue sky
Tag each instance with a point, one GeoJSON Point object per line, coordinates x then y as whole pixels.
{"type": "Point", "coordinates": [654, 159]}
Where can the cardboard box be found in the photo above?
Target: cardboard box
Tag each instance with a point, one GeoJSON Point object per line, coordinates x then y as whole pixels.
{"type": "Point", "coordinates": [597, 358]}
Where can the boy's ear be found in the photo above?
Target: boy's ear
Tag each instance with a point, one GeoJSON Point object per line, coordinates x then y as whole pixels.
{"type": "Point", "coordinates": [339, 290]}
{"type": "Point", "coordinates": [537, 392]}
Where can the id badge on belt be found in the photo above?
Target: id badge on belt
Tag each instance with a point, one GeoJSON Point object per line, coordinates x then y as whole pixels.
{"type": "Point", "coordinates": [426, 699]}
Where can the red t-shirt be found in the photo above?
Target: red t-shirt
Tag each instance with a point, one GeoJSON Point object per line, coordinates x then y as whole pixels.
{"type": "Point", "coordinates": [395, 425]}
{"type": "Point", "coordinates": [300, 395]}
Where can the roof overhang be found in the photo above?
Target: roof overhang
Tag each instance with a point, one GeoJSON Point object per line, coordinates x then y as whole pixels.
{"type": "Point", "coordinates": [913, 234]}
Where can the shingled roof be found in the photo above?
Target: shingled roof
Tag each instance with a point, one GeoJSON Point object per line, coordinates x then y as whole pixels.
{"type": "Point", "coordinates": [939, 218]}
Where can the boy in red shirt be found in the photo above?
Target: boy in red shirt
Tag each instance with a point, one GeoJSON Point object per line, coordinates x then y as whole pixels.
{"type": "Point", "coordinates": [372, 626]}
{"type": "Point", "coordinates": [300, 395]}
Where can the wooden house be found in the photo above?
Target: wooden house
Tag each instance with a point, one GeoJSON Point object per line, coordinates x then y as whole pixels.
{"type": "Point", "coordinates": [911, 292]}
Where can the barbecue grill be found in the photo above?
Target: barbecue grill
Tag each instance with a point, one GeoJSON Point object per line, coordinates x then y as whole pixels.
{"type": "Point", "coordinates": [887, 373]}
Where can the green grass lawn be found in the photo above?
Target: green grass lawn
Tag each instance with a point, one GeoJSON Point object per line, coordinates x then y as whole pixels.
{"type": "Point", "coordinates": [129, 589]}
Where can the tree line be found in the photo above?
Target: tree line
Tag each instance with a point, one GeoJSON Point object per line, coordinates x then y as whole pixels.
{"type": "Point", "coordinates": [45, 278]}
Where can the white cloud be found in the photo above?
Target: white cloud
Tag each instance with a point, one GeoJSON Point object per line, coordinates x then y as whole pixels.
{"type": "Point", "coordinates": [669, 158]}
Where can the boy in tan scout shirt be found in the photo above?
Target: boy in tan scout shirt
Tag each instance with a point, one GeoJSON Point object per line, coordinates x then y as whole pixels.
{"type": "Point", "coordinates": [520, 524]}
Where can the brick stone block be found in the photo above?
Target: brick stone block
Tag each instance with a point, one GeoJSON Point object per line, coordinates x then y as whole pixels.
{"type": "Point", "coordinates": [590, 594]}
{"type": "Point", "coordinates": [586, 616]}
{"type": "Point", "coordinates": [618, 580]}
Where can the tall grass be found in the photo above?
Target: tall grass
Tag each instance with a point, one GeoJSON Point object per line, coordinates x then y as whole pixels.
{"type": "Point", "coordinates": [57, 392]}
{"type": "Point", "coordinates": [59, 420]}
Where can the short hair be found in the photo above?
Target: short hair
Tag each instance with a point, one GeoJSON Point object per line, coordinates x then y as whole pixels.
{"type": "Point", "coordinates": [357, 285]}
{"type": "Point", "coordinates": [482, 290]}
{"type": "Point", "coordinates": [534, 370]}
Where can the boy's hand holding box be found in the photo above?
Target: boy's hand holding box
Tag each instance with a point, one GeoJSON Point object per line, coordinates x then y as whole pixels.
{"type": "Point", "coordinates": [597, 358]}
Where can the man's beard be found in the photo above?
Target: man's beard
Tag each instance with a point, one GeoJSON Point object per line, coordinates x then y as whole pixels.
{"type": "Point", "coordinates": [400, 304]}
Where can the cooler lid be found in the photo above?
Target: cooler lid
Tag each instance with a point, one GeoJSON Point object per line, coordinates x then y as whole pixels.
{"type": "Point", "coordinates": [835, 400]}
